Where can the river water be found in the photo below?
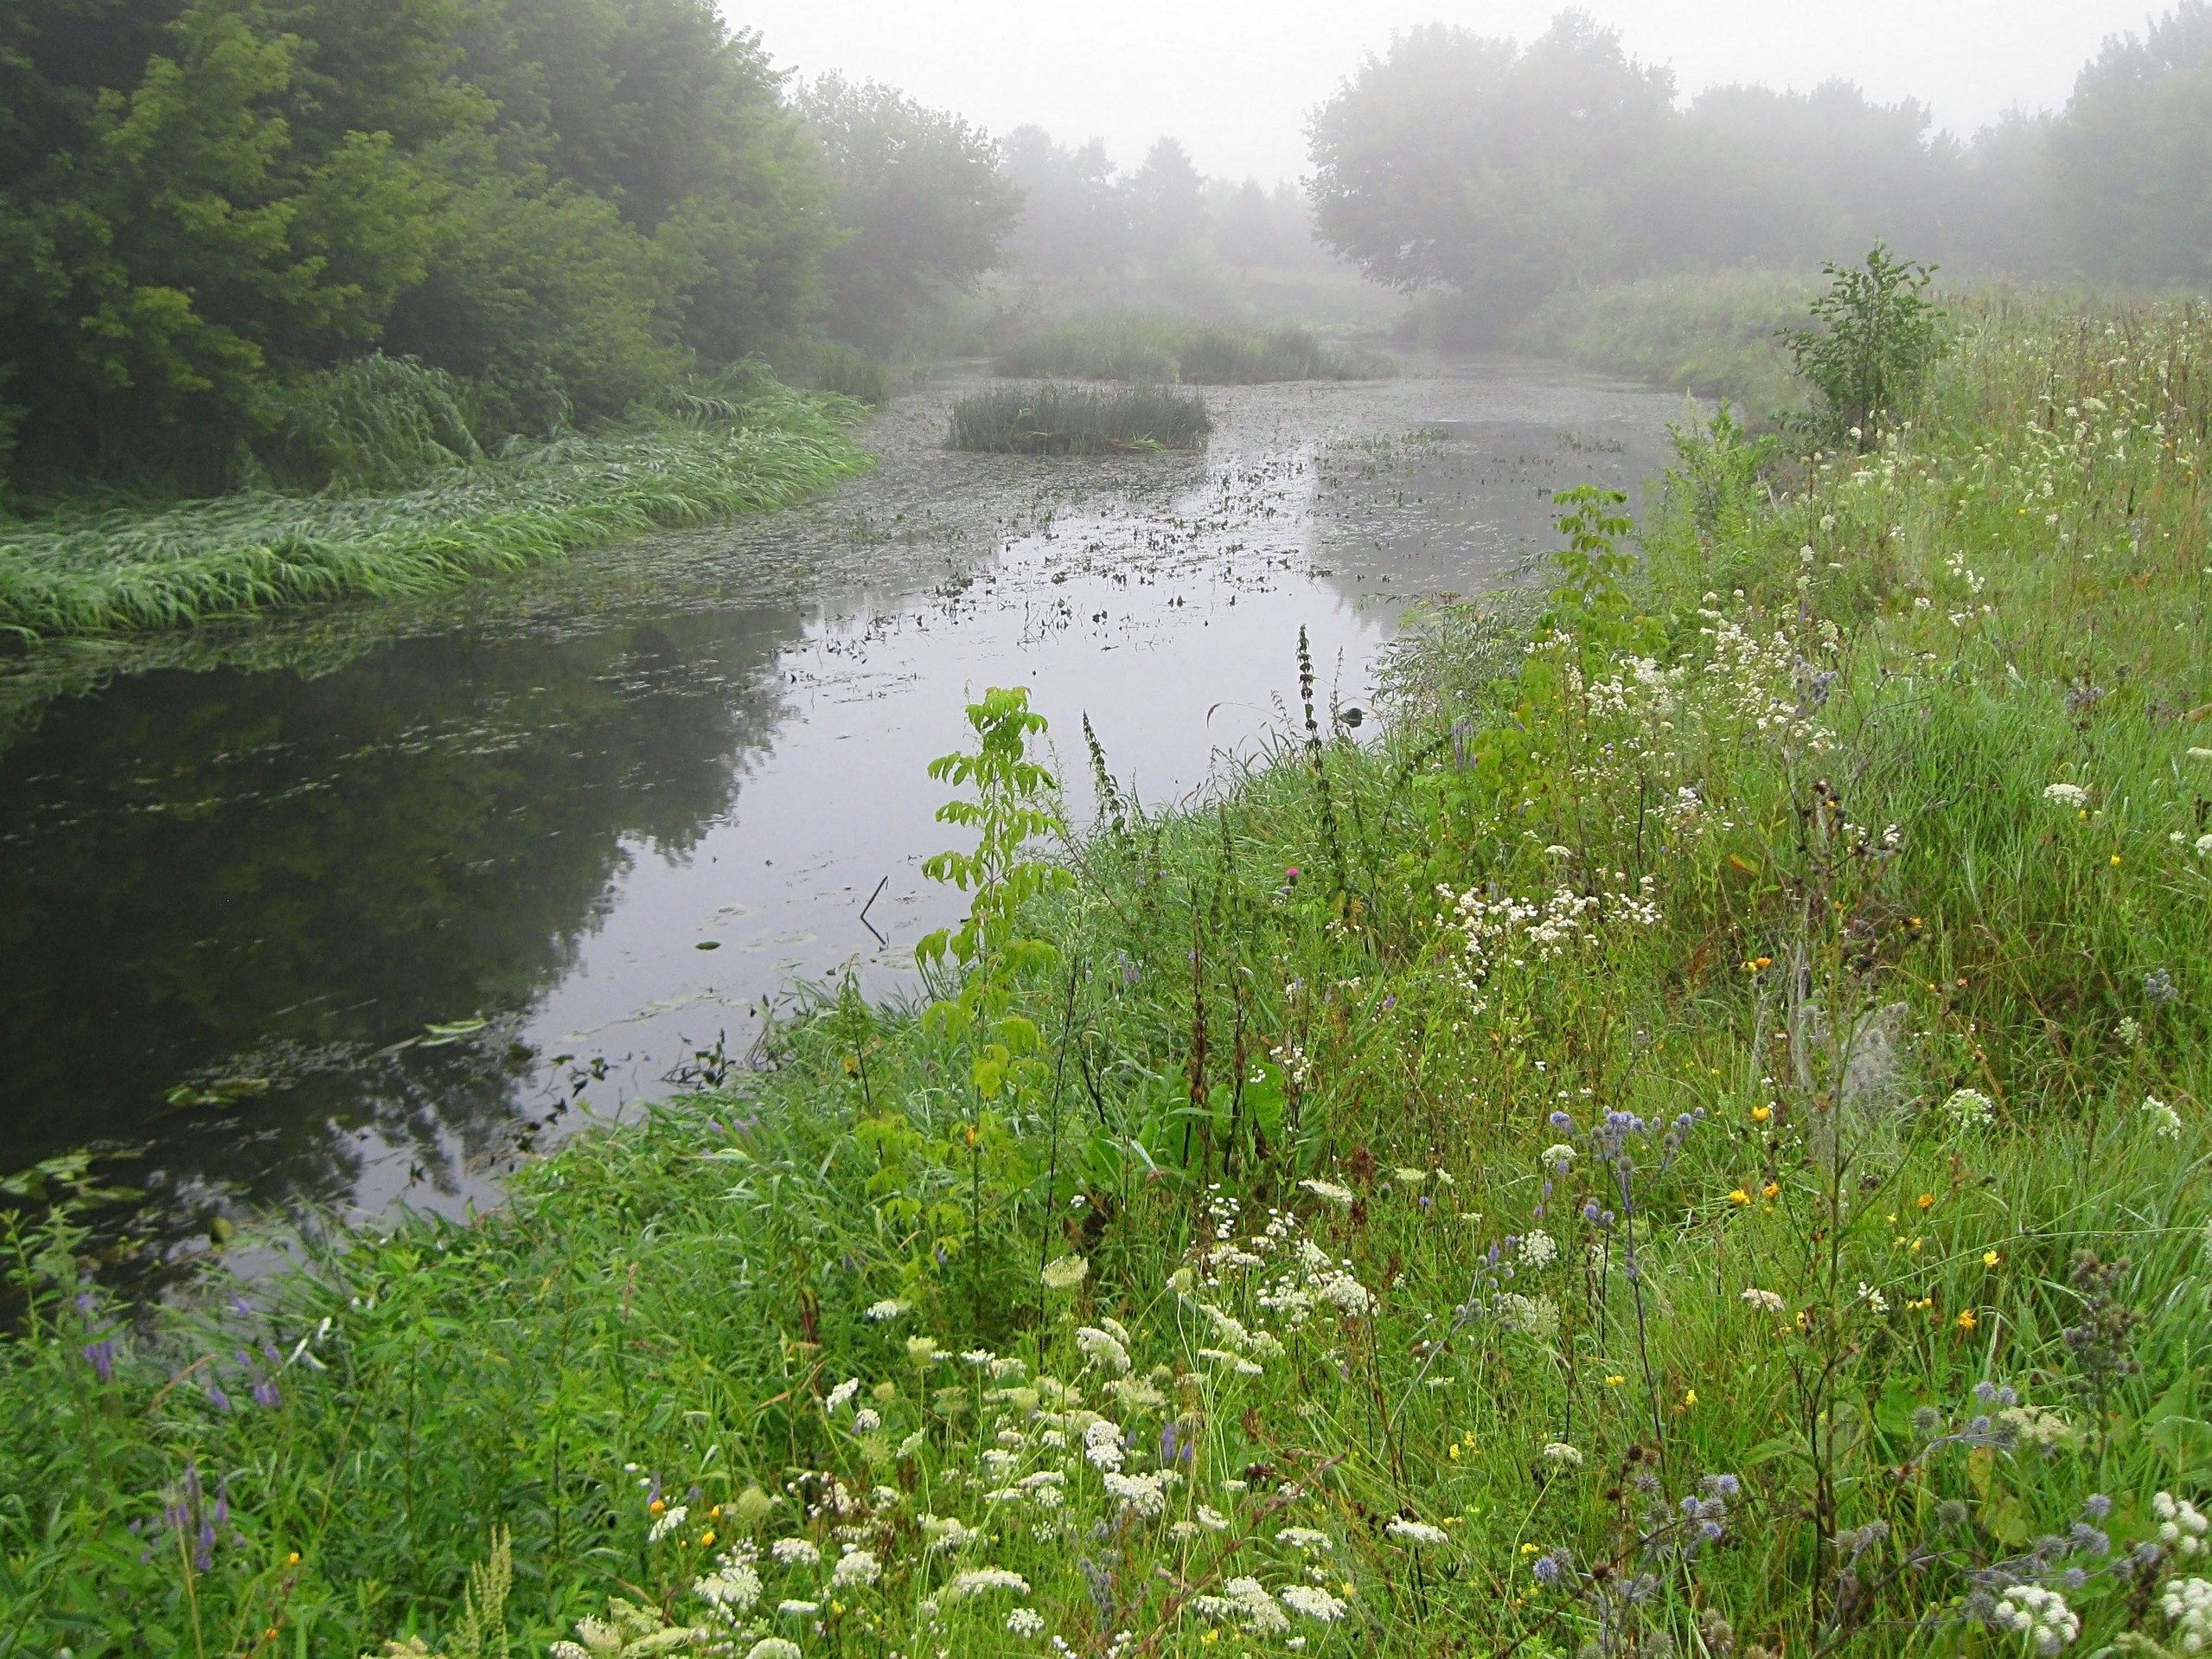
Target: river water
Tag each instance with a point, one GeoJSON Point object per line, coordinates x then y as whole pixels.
{"type": "Point", "coordinates": [328, 913]}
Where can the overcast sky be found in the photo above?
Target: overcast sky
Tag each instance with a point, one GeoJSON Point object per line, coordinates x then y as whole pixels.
{"type": "Point", "coordinates": [1235, 79]}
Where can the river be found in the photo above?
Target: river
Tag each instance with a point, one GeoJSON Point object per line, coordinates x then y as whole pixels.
{"type": "Point", "coordinates": [320, 914]}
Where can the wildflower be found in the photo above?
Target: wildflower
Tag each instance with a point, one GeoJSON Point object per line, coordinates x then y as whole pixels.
{"type": "Point", "coordinates": [923, 1350]}
{"type": "Point", "coordinates": [1966, 1320]}
{"type": "Point", "coordinates": [2131, 1032]}
{"type": "Point", "coordinates": [982, 1580]}
{"type": "Point", "coordinates": [1245, 1601]}
{"type": "Point", "coordinates": [733, 1586]}
{"type": "Point", "coordinates": [1761, 1114]}
{"type": "Point", "coordinates": [855, 1567]}
{"type": "Point", "coordinates": [1314, 1602]}
{"type": "Point", "coordinates": [102, 1357]}
{"type": "Point", "coordinates": [2182, 1527]}
{"type": "Point", "coordinates": [1539, 1249]}
{"type": "Point", "coordinates": [775, 1647]}
{"type": "Point", "coordinates": [841, 1395]}
{"type": "Point", "coordinates": [889, 1308]}
{"type": "Point", "coordinates": [1417, 1532]}
{"type": "Point", "coordinates": [1969, 1109]}
{"type": "Point", "coordinates": [1342, 1197]}
{"type": "Point", "coordinates": [1556, 1157]}
{"type": "Point", "coordinates": [1211, 1518]}
{"type": "Point", "coordinates": [2187, 1604]}
{"type": "Point", "coordinates": [1765, 1300]}
{"type": "Point", "coordinates": [2165, 1122]}
{"type": "Point", "coordinates": [666, 1524]}
{"type": "Point", "coordinates": [1065, 1273]}
{"type": "Point", "coordinates": [2204, 846]}
{"type": "Point", "coordinates": [1615, 1380]}
{"type": "Point", "coordinates": [1771, 1191]}
{"type": "Point", "coordinates": [1302, 1538]}
{"type": "Point", "coordinates": [1927, 1200]}
{"type": "Point", "coordinates": [1100, 1348]}
{"type": "Point", "coordinates": [1990, 1258]}
{"type": "Point", "coordinates": [2066, 794]}
{"type": "Point", "coordinates": [1026, 1622]}
{"type": "Point", "coordinates": [1876, 1302]}
{"type": "Point", "coordinates": [1739, 1196]}
{"type": "Point", "coordinates": [799, 1552]}
{"type": "Point", "coordinates": [1142, 1495]}
{"type": "Point", "coordinates": [2038, 1613]}
{"type": "Point", "coordinates": [1558, 1451]}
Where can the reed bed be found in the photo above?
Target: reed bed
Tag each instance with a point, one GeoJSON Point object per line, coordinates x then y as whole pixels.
{"type": "Point", "coordinates": [706, 455]}
{"type": "Point", "coordinates": [1054, 420]}
{"type": "Point", "coordinates": [1156, 350]}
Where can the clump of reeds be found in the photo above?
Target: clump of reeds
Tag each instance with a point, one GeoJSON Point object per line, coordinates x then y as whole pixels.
{"type": "Point", "coordinates": [1052, 420]}
{"type": "Point", "coordinates": [1151, 348]}
{"type": "Point", "coordinates": [376, 423]}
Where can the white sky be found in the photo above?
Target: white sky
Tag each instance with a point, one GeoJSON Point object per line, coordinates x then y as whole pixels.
{"type": "Point", "coordinates": [1235, 79]}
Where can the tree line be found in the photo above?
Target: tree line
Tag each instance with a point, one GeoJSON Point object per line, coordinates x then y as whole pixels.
{"type": "Point", "coordinates": [565, 204]}
{"type": "Point", "coordinates": [1506, 172]}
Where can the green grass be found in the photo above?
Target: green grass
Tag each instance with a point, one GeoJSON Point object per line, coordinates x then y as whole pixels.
{"type": "Point", "coordinates": [1078, 420]}
{"type": "Point", "coordinates": [1155, 349]}
{"type": "Point", "coordinates": [1299, 1077]}
{"type": "Point", "coordinates": [1716, 336]}
{"type": "Point", "coordinates": [732, 446]}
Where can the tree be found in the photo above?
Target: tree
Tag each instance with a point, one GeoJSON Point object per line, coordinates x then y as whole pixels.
{"type": "Point", "coordinates": [1166, 204]}
{"type": "Point", "coordinates": [2132, 156]}
{"type": "Point", "coordinates": [1073, 221]}
{"type": "Point", "coordinates": [921, 205]}
{"type": "Point", "coordinates": [1461, 160]}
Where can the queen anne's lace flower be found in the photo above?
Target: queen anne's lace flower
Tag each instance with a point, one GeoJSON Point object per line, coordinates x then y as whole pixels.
{"type": "Point", "coordinates": [1100, 1348]}
{"type": "Point", "coordinates": [1765, 1300]}
{"type": "Point", "coordinates": [1417, 1532]}
{"type": "Point", "coordinates": [2187, 1604]}
{"type": "Point", "coordinates": [795, 1551]}
{"type": "Point", "coordinates": [2071, 795]}
{"type": "Point", "coordinates": [856, 1568]}
{"type": "Point", "coordinates": [1026, 1622]}
{"type": "Point", "coordinates": [983, 1581]}
{"type": "Point", "coordinates": [1065, 1273]}
{"type": "Point", "coordinates": [1245, 1601]}
{"type": "Point", "coordinates": [1314, 1602]}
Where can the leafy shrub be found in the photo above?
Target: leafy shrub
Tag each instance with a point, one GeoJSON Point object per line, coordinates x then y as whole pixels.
{"type": "Point", "coordinates": [1879, 338]}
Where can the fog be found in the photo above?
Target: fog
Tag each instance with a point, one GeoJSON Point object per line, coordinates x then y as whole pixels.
{"type": "Point", "coordinates": [1235, 80]}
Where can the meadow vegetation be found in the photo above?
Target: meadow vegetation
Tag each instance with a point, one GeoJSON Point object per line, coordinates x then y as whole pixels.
{"type": "Point", "coordinates": [1692, 1140]}
{"type": "Point", "coordinates": [1054, 420]}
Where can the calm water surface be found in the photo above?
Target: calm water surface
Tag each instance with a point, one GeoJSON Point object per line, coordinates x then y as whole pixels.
{"type": "Point", "coordinates": [607, 809]}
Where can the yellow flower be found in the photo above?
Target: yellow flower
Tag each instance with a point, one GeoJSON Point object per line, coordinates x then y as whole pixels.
{"type": "Point", "coordinates": [1614, 1382]}
{"type": "Point", "coordinates": [1928, 1201]}
{"type": "Point", "coordinates": [1456, 1454]}
{"type": "Point", "coordinates": [1772, 1189]}
{"type": "Point", "coordinates": [706, 1539]}
{"type": "Point", "coordinates": [1914, 1246]}
{"type": "Point", "coordinates": [292, 1559]}
{"type": "Point", "coordinates": [1530, 1549]}
{"type": "Point", "coordinates": [1210, 1637]}
{"type": "Point", "coordinates": [2115, 861]}
{"type": "Point", "coordinates": [1990, 1258]}
{"type": "Point", "coordinates": [1760, 1114]}
{"type": "Point", "coordinates": [1739, 1196]}
{"type": "Point", "coordinates": [1966, 1320]}
{"type": "Point", "coordinates": [1689, 1396]}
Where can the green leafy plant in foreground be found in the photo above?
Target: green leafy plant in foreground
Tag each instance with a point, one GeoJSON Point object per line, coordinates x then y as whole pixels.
{"type": "Point", "coordinates": [1878, 337]}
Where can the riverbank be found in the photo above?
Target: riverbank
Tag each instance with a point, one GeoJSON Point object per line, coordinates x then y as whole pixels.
{"type": "Point", "coordinates": [699, 458]}
{"type": "Point", "coordinates": [1693, 1134]}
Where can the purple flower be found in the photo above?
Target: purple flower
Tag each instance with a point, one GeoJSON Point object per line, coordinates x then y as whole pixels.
{"type": "Point", "coordinates": [85, 1303]}
{"type": "Point", "coordinates": [102, 1356]}
{"type": "Point", "coordinates": [1550, 1569]}
{"type": "Point", "coordinates": [217, 1398]}
{"type": "Point", "coordinates": [265, 1395]}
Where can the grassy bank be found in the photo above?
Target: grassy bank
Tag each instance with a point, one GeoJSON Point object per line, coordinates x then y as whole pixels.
{"type": "Point", "coordinates": [1693, 1142]}
{"type": "Point", "coordinates": [737, 446]}
{"type": "Point", "coordinates": [1078, 420]}
{"type": "Point", "coordinates": [1160, 349]}
{"type": "Point", "coordinates": [1716, 336]}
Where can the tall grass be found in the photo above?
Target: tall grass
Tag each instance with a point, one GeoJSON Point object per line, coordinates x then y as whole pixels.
{"type": "Point", "coordinates": [731, 445]}
{"type": "Point", "coordinates": [1154, 348]}
{"type": "Point", "coordinates": [1694, 1142]}
{"type": "Point", "coordinates": [1078, 420]}
{"type": "Point", "coordinates": [1714, 336]}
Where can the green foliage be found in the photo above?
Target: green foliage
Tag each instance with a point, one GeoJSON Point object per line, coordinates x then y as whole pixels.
{"type": "Point", "coordinates": [987, 952]}
{"type": "Point", "coordinates": [1717, 485]}
{"type": "Point", "coordinates": [1879, 337]}
{"type": "Point", "coordinates": [1053, 419]}
{"type": "Point", "coordinates": [845, 373]}
{"type": "Point", "coordinates": [1716, 336]}
{"type": "Point", "coordinates": [921, 205]}
{"type": "Point", "coordinates": [84, 572]}
{"type": "Point", "coordinates": [375, 423]}
{"type": "Point", "coordinates": [561, 201]}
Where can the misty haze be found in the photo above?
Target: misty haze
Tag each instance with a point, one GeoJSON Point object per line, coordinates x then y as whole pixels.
{"type": "Point", "coordinates": [881, 830]}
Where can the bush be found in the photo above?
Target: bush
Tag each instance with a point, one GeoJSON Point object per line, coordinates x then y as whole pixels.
{"type": "Point", "coordinates": [1052, 420]}
{"type": "Point", "coordinates": [1880, 337]}
{"type": "Point", "coordinates": [377, 423]}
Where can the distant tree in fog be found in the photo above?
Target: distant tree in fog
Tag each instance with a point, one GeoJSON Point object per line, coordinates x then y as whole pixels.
{"type": "Point", "coordinates": [1246, 231]}
{"type": "Point", "coordinates": [1074, 222]}
{"type": "Point", "coordinates": [1457, 159]}
{"type": "Point", "coordinates": [2131, 160]}
{"type": "Point", "coordinates": [922, 203]}
{"type": "Point", "coordinates": [1165, 202]}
